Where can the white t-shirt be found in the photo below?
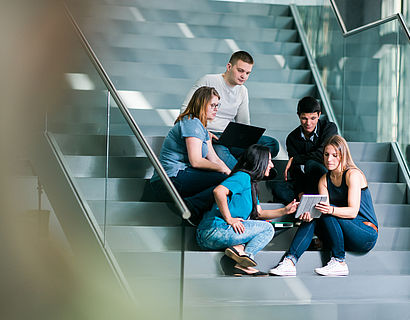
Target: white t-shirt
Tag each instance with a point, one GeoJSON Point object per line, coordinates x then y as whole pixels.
{"type": "Point", "coordinates": [234, 103]}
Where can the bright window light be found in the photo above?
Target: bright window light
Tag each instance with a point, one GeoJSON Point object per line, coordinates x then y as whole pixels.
{"type": "Point", "coordinates": [80, 81]}
{"type": "Point", "coordinates": [134, 100]}
{"type": "Point", "coordinates": [232, 44]}
{"type": "Point", "coordinates": [185, 30]}
{"type": "Point", "coordinates": [137, 14]}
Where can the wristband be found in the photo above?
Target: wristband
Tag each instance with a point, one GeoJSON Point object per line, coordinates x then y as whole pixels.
{"type": "Point", "coordinates": [333, 210]}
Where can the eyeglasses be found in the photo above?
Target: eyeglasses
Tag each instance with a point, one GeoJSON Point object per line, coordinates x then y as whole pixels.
{"type": "Point", "coordinates": [214, 105]}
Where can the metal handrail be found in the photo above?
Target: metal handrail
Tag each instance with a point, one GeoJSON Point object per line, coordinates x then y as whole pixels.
{"type": "Point", "coordinates": [396, 16]}
{"type": "Point", "coordinates": [128, 117]}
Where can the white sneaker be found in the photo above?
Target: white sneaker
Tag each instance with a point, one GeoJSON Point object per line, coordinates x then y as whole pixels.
{"type": "Point", "coordinates": [333, 268]}
{"type": "Point", "coordinates": [285, 268]}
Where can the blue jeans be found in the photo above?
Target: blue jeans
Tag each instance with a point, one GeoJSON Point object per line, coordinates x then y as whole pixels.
{"type": "Point", "coordinates": [229, 155]}
{"type": "Point", "coordinates": [195, 186]}
{"type": "Point", "coordinates": [350, 233]}
{"type": "Point", "coordinates": [256, 236]}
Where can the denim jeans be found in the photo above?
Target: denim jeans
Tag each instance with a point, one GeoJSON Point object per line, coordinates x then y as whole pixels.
{"type": "Point", "coordinates": [307, 182]}
{"type": "Point", "coordinates": [341, 233]}
{"type": "Point", "coordinates": [195, 186]}
{"type": "Point", "coordinates": [256, 236]}
{"type": "Point", "coordinates": [229, 155]}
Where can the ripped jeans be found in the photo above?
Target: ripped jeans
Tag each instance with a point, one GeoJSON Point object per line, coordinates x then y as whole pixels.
{"type": "Point", "coordinates": [256, 236]}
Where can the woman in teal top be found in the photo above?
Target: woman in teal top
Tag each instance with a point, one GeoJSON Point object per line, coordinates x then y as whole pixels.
{"type": "Point", "coordinates": [227, 224]}
{"type": "Point", "coordinates": [188, 157]}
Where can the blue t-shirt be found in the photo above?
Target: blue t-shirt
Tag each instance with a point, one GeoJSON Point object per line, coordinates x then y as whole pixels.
{"type": "Point", "coordinates": [239, 202]}
{"type": "Point", "coordinates": [174, 153]}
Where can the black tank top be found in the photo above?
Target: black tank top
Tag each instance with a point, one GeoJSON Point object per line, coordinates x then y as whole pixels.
{"type": "Point", "coordinates": [338, 197]}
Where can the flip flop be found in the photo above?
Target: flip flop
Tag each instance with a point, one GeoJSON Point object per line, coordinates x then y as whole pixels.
{"type": "Point", "coordinates": [243, 260]}
{"type": "Point", "coordinates": [239, 273]}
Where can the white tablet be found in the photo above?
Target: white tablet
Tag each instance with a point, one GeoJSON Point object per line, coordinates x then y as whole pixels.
{"type": "Point", "coordinates": [307, 204]}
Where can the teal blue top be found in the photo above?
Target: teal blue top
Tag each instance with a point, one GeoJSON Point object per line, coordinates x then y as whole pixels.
{"type": "Point", "coordinates": [239, 201]}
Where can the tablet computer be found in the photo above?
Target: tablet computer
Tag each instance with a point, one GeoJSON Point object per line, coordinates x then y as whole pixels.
{"type": "Point", "coordinates": [240, 135]}
{"type": "Point", "coordinates": [307, 204]}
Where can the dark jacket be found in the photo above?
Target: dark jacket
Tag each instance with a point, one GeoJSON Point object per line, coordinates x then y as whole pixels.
{"type": "Point", "coordinates": [303, 150]}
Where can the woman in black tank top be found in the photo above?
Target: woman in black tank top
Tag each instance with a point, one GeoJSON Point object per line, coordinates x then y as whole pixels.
{"type": "Point", "coordinates": [348, 220]}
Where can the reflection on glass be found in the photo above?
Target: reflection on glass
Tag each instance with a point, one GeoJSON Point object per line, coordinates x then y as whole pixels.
{"type": "Point", "coordinates": [144, 231]}
{"type": "Point", "coordinates": [404, 95]}
{"type": "Point", "coordinates": [370, 86]}
{"type": "Point", "coordinates": [327, 44]}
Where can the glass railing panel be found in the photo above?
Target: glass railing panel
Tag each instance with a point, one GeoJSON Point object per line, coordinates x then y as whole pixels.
{"type": "Point", "coordinates": [144, 229]}
{"type": "Point", "coordinates": [327, 43]}
{"type": "Point", "coordinates": [78, 129]}
{"type": "Point", "coordinates": [370, 100]}
{"type": "Point", "coordinates": [359, 13]}
{"type": "Point", "coordinates": [403, 132]}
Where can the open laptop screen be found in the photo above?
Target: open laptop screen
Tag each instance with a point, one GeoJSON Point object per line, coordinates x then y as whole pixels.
{"type": "Point", "coordinates": [240, 135]}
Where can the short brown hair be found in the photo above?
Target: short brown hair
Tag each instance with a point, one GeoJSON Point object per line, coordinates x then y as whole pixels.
{"type": "Point", "coordinates": [197, 105]}
{"type": "Point", "coordinates": [241, 55]}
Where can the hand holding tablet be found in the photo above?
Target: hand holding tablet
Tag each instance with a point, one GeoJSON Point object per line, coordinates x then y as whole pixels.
{"type": "Point", "coordinates": [308, 203]}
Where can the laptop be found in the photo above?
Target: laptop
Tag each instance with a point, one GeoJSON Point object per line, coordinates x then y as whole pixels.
{"type": "Point", "coordinates": [240, 135]}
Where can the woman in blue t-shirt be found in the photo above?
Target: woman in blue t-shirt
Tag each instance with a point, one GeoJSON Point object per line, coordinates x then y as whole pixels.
{"type": "Point", "coordinates": [348, 219]}
{"type": "Point", "coordinates": [188, 157]}
{"type": "Point", "coordinates": [227, 224]}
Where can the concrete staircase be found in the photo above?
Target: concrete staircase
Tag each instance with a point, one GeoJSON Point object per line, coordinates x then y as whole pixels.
{"type": "Point", "coordinates": [154, 51]}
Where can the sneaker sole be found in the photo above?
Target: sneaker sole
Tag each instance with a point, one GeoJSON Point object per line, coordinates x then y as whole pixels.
{"type": "Point", "coordinates": [283, 274]}
{"type": "Point", "coordinates": [341, 274]}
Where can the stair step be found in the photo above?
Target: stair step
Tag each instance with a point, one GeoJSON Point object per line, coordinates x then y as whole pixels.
{"type": "Point", "coordinates": [198, 45]}
{"type": "Point", "coordinates": [295, 290]}
{"type": "Point", "coordinates": [123, 213]}
{"type": "Point", "coordinates": [118, 167]}
{"type": "Point", "coordinates": [365, 309]}
{"type": "Point", "coordinates": [208, 6]}
{"type": "Point", "coordinates": [127, 145]}
{"type": "Point", "coordinates": [95, 145]}
{"type": "Point", "coordinates": [138, 189]}
{"type": "Point", "coordinates": [132, 213]}
{"type": "Point", "coordinates": [174, 56]}
{"type": "Point", "coordinates": [393, 215]}
{"type": "Point", "coordinates": [179, 71]}
{"type": "Point", "coordinates": [183, 30]}
{"type": "Point", "coordinates": [159, 239]}
{"type": "Point", "coordinates": [199, 264]}
{"type": "Point", "coordinates": [370, 151]}
{"type": "Point", "coordinates": [140, 167]}
{"type": "Point", "coordinates": [258, 89]}
{"type": "Point", "coordinates": [131, 15]}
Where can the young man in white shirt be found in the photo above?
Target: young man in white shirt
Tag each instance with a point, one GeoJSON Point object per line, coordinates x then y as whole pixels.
{"type": "Point", "coordinates": [234, 104]}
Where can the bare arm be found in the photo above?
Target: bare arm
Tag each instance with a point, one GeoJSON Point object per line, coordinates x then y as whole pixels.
{"type": "Point", "coordinates": [276, 213]}
{"type": "Point", "coordinates": [354, 180]}
{"type": "Point", "coordinates": [194, 148]}
{"type": "Point", "coordinates": [285, 174]}
{"type": "Point", "coordinates": [213, 157]}
{"type": "Point", "coordinates": [221, 198]}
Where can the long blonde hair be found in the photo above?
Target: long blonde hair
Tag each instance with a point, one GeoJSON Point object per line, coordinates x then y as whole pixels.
{"type": "Point", "coordinates": [197, 105]}
{"type": "Point", "coordinates": [340, 144]}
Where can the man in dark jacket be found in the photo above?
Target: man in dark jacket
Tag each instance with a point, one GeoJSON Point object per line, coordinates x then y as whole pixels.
{"type": "Point", "coordinates": [305, 150]}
